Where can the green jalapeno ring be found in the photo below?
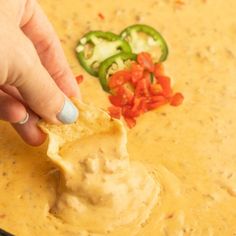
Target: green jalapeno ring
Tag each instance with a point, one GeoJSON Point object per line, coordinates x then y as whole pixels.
{"type": "Point", "coordinates": [105, 65]}
{"type": "Point", "coordinates": [120, 45]}
{"type": "Point", "coordinates": [154, 34]}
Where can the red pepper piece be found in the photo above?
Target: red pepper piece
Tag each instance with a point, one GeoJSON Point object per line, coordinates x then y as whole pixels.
{"type": "Point", "coordinates": [164, 81]}
{"type": "Point", "coordinates": [132, 110]}
{"type": "Point", "coordinates": [158, 69]}
{"type": "Point", "coordinates": [79, 79]}
{"type": "Point", "coordinates": [121, 97]}
{"type": "Point", "coordinates": [136, 111]}
{"type": "Point", "coordinates": [119, 78]}
{"type": "Point", "coordinates": [146, 76]}
{"type": "Point", "coordinates": [155, 105]}
{"type": "Point", "coordinates": [125, 92]}
{"type": "Point", "coordinates": [101, 16]}
{"type": "Point", "coordinates": [131, 122]}
{"type": "Point", "coordinates": [143, 105]}
{"type": "Point", "coordinates": [115, 112]}
{"type": "Point", "coordinates": [177, 99]}
{"type": "Point", "coordinates": [118, 101]}
{"type": "Point", "coordinates": [145, 60]}
{"type": "Point", "coordinates": [155, 89]}
{"type": "Point", "coordinates": [142, 88]}
{"type": "Point", "coordinates": [136, 72]}
{"type": "Point", "coordinates": [156, 101]}
{"type": "Point", "coordinates": [126, 111]}
{"type": "Point", "coordinates": [158, 98]}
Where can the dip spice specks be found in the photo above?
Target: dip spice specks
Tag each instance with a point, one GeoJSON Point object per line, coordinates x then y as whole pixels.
{"type": "Point", "coordinates": [2, 216]}
{"type": "Point", "coordinates": [139, 18]}
{"type": "Point", "coordinates": [101, 16]}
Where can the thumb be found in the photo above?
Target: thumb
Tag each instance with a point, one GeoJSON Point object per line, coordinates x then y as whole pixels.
{"type": "Point", "coordinates": [36, 86]}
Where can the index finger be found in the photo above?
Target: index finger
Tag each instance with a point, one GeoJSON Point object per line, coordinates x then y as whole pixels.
{"type": "Point", "coordinates": [39, 30]}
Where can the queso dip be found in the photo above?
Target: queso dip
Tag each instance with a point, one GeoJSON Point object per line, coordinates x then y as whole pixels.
{"type": "Point", "coordinates": [191, 148]}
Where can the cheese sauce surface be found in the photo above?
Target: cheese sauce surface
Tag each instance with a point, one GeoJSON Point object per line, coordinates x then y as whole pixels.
{"type": "Point", "coordinates": [190, 147]}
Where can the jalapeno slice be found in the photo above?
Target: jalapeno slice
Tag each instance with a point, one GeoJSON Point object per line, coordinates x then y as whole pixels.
{"type": "Point", "coordinates": [113, 64]}
{"type": "Point", "coordinates": [96, 46]}
{"type": "Point", "coordinates": [143, 38]}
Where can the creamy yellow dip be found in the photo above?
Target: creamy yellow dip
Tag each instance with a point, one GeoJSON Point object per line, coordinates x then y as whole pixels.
{"type": "Point", "coordinates": [190, 147]}
{"type": "Point", "coordinates": [100, 189]}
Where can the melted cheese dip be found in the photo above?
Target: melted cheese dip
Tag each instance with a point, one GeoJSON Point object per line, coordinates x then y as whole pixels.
{"type": "Point", "coordinates": [100, 188]}
{"type": "Point", "coordinates": [191, 147]}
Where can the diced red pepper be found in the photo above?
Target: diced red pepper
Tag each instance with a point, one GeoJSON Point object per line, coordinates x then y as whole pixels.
{"type": "Point", "coordinates": [118, 101]}
{"type": "Point", "coordinates": [119, 78]}
{"type": "Point", "coordinates": [145, 60]}
{"type": "Point", "coordinates": [133, 92]}
{"type": "Point", "coordinates": [177, 99]}
{"type": "Point", "coordinates": [115, 112]}
{"type": "Point", "coordinates": [126, 111]}
{"type": "Point", "coordinates": [121, 97]}
{"type": "Point", "coordinates": [146, 76]}
{"type": "Point", "coordinates": [142, 88]}
{"type": "Point", "coordinates": [131, 122]}
{"type": "Point", "coordinates": [158, 98]}
{"type": "Point", "coordinates": [79, 79]}
{"type": "Point", "coordinates": [127, 93]}
{"type": "Point", "coordinates": [158, 69]}
{"type": "Point", "coordinates": [155, 89]}
{"type": "Point", "coordinates": [155, 105]}
{"type": "Point", "coordinates": [132, 110]}
{"type": "Point", "coordinates": [165, 83]}
{"type": "Point", "coordinates": [136, 72]}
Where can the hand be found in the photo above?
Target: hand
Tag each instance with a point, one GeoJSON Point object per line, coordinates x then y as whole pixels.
{"type": "Point", "coordinates": [34, 74]}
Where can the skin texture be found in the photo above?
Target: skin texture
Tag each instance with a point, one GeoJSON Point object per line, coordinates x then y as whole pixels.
{"type": "Point", "coordinates": [34, 73]}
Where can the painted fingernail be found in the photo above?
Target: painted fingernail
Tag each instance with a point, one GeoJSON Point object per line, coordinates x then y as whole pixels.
{"type": "Point", "coordinates": [69, 113]}
{"type": "Point", "coordinates": [25, 120]}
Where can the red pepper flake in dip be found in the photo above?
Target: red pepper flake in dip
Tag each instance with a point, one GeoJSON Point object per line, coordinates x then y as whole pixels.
{"type": "Point", "coordinates": [101, 16]}
{"type": "Point", "coordinates": [79, 79]}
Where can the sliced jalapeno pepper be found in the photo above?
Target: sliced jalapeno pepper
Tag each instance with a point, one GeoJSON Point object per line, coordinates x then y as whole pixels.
{"type": "Point", "coordinates": [143, 38]}
{"type": "Point", "coordinates": [96, 46]}
{"type": "Point", "coordinates": [113, 64]}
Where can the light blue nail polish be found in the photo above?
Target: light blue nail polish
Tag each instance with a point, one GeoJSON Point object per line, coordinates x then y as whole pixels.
{"type": "Point", "coordinates": [69, 113]}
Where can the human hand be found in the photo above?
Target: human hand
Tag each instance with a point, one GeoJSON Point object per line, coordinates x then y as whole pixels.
{"type": "Point", "coordinates": [34, 74]}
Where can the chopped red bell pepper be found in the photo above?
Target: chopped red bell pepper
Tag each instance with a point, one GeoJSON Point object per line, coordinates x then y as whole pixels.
{"type": "Point", "coordinates": [79, 79]}
{"type": "Point", "coordinates": [155, 89]}
{"type": "Point", "coordinates": [156, 104]}
{"type": "Point", "coordinates": [177, 99]}
{"type": "Point", "coordinates": [131, 122]}
{"type": "Point", "coordinates": [165, 83]}
{"type": "Point", "coordinates": [121, 97]}
{"type": "Point", "coordinates": [119, 78]}
{"type": "Point", "coordinates": [145, 60]}
{"type": "Point", "coordinates": [133, 110]}
{"type": "Point", "coordinates": [136, 72]}
{"type": "Point", "coordinates": [115, 112]}
{"type": "Point", "coordinates": [158, 70]}
{"type": "Point", "coordinates": [158, 98]}
{"type": "Point", "coordinates": [141, 88]}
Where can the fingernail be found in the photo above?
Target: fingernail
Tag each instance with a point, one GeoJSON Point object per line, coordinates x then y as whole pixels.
{"type": "Point", "coordinates": [69, 113]}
